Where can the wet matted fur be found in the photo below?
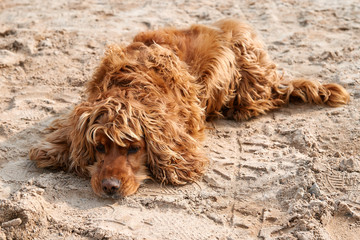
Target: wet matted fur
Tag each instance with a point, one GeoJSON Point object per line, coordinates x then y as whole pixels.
{"type": "Point", "coordinates": [148, 103]}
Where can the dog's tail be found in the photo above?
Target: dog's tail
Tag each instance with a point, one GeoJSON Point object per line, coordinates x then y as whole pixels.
{"type": "Point", "coordinates": [314, 92]}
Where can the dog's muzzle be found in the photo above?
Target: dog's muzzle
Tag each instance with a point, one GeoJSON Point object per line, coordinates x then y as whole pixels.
{"type": "Point", "coordinates": [110, 186]}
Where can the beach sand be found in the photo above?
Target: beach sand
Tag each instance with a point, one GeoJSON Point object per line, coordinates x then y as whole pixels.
{"type": "Point", "coordinates": [291, 174]}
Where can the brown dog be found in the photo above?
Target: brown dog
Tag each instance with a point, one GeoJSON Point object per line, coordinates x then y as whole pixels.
{"type": "Point", "coordinates": [148, 102]}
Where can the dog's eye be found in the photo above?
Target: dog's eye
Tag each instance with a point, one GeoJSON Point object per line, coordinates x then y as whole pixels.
{"type": "Point", "coordinates": [132, 150]}
{"type": "Point", "coordinates": [100, 148]}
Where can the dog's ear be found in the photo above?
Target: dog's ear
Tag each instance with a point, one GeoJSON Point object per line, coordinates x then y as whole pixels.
{"type": "Point", "coordinates": [171, 118]}
{"type": "Point", "coordinates": [81, 150]}
{"type": "Point", "coordinates": [174, 156]}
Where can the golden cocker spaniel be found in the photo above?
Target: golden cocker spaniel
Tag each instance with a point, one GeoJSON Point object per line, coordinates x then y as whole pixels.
{"type": "Point", "coordinates": [148, 103]}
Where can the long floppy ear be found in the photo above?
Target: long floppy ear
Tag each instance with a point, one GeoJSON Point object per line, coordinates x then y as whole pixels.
{"type": "Point", "coordinates": [174, 156]}
{"type": "Point", "coordinates": [65, 146]}
{"type": "Point", "coordinates": [81, 150]}
{"type": "Point", "coordinates": [172, 119]}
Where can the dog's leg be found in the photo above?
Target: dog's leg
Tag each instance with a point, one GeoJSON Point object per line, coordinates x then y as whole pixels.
{"type": "Point", "coordinates": [257, 88]}
{"type": "Point", "coordinates": [280, 93]}
{"type": "Point", "coordinates": [53, 152]}
{"type": "Point", "coordinates": [308, 91]}
{"type": "Point", "coordinates": [65, 146]}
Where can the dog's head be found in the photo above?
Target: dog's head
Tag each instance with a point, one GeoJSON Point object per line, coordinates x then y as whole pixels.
{"type": "Point", "coordinates": [120, 149]}
{"type": "Point", "coordinates": [120, 168]}
{"type": "Point", "coordinates": [110, 134]}
{"type": "Point", "coordinates": [142, 113]}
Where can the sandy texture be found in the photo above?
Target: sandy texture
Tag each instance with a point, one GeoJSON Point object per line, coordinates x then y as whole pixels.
{"type": "Point", "coordinates": [292, 174]}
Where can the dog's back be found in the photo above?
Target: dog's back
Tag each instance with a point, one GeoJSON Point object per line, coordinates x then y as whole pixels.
{"type": "Point", "coordinates": [237, 77]}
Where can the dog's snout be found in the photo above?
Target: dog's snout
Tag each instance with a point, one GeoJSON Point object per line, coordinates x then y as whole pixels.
{"type": "Point", "coordinates": [110, 186]}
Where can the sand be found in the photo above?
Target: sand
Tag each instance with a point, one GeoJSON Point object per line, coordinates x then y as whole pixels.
{"type": "Point", "coordinates": [291, 174]}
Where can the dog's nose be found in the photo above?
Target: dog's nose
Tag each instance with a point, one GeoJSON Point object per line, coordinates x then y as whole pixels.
{"type": "Point", "coordinates": [110, 186]}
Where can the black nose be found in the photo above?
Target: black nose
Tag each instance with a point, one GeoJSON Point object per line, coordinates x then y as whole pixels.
{"type": "Point", "coordinates": [110, 186]}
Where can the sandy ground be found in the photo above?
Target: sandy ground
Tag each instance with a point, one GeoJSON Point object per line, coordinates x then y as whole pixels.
{"type": "Point", "coordinates": [291, 174]}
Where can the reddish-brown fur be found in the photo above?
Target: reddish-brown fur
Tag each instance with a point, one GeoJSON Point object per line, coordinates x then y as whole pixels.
{"type": "Point", "coordinates": [156, 94]}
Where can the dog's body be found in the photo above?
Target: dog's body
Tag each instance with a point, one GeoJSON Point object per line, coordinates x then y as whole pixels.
{"type": "Point", "coordinates": [148, 102]}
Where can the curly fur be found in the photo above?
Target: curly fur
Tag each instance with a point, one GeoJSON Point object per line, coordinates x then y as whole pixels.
{"type": "Point", "coordinates": [161, 89]}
